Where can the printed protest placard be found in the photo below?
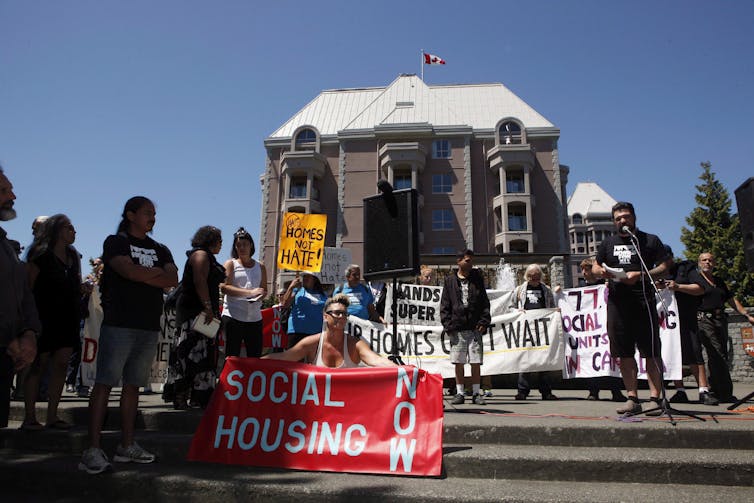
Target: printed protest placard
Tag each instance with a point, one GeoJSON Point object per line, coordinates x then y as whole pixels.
{"type": "Point", "coordinates": [334, 265]}
{"type": "Point", "coordinates": [417, 304]}
{"type": "Point", "coordinates": [292, 415]}
{"type": "Point", "coordinates": [302, 241]}
{"type": "Point", "coordinates": [587, 350]}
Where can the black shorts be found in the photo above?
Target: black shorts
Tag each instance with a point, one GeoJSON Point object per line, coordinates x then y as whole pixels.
{"type": "Point", "coordinates": [631, 324]}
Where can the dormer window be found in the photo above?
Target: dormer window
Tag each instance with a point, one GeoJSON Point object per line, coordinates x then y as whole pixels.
{"type": "Point", "coordinates": [306, 139]}
{"type": "Point", "coordinates": [576, 219]}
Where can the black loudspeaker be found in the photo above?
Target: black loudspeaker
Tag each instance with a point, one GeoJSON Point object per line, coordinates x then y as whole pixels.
{"type": "Point", "coordinates": [391, 235]}
{"type": "Point", "coordinates": [745, 203]}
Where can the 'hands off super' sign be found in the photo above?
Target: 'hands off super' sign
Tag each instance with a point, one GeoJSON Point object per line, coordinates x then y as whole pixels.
{"type": "Point", "coordinates": [302, 239]}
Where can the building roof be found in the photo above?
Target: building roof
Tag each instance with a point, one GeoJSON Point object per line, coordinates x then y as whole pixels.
{"type": "Point", "coordinates": [408, 100]}
{"type": "Point", "coordinates": [588, 198]}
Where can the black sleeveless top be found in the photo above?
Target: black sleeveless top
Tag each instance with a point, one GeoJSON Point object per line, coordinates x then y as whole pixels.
{"type": "Point", "coordinates": [189, 304]}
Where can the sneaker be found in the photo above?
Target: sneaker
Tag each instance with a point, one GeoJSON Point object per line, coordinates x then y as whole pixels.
{"type": "Point", "coordinates": [655, 403]}
{"type": "Point", "coordinates": [458, 399]}
{"type": "Point", "coordinates": [94, 461]}
{"type": "Point", "coordinates": [70, 388]}
{"type": "Point", "coordinates": [488, 393]}
{"type": "Point", "coordinates": [133, 452]}
{"type": "Point", "coordinates": [630, 407]}
{"type": "Point", "coordinates": [708, 399]}
{"type": "Point", "coordinates": [520, 396]}
{"type": "Point", "coordinates": [83, 392]}
{"type": "Point", "coordinates": [679, 397]}
{"type": "Point", "coordinates": [479, 399]}
{"type": "Point", "coordinates": [593, 396]}
{"type": "Point", "coordinates": [549, 396]}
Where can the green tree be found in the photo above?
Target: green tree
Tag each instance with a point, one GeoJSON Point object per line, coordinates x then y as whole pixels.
{"type": "Point", "coordinates": [713, 228]}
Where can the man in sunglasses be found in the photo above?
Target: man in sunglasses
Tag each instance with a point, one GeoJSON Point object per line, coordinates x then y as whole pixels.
{"type": "Point", "coordinates": [332, 347]}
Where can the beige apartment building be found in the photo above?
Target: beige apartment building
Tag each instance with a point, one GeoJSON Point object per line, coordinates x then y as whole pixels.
{"type": "Point", "coordinates": [590, 221]}
{"type": "Point", "coordinates": [485, 164]}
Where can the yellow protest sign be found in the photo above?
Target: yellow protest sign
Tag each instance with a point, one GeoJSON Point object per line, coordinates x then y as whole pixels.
{"type": "Point", "coordinates": [302, 242]}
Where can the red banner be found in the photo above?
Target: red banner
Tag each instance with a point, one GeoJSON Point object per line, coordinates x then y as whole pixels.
{"type": "Point", "coordinates": [273, 335]}
{"type": "Point", "coordinates": [273, 413]}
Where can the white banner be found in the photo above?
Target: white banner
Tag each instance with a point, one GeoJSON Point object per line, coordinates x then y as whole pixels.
{"type": "Point", "coordinates": [519, 341]}
{"type": "Point", "coordinates": [90, 343]}
{"type": "Point", "coordinates": [587, 348]}
{"type": "Point", "coordinates": [420, 305]}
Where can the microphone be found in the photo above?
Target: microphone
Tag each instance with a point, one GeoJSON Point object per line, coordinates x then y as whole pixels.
{"type": "Point", "coordinates": [626, 230]}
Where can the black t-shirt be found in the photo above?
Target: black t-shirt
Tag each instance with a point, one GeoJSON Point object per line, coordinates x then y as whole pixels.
{"type": "Point", "coordinates": [620, 252]}
{"type": "Point", "coordinates": [126, 303]}
{"type": "Point", "coordinates": [535, 297]}
{"type": "Point", "coordinates": [716, 296]}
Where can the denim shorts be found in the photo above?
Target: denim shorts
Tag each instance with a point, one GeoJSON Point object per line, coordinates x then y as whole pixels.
{"type": "Point", "coordinates": [126, 353]}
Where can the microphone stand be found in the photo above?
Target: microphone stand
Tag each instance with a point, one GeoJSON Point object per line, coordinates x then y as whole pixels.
{"type": "Point", "coordinates": [395, 357]}
{"type": "Point", "coordinates": [663, 405]}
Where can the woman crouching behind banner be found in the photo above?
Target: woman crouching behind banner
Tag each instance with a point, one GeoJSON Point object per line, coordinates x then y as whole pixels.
{"type": "Point", "coordinates": [192, 365]}
{"type": "Point", "coordinates": [332, 347]}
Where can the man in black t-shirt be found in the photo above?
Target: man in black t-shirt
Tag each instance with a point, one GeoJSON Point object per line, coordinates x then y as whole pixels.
{"type": "Point", "coordinates": [686, 284]}
{"type": "Point", "coordinates": [631, 313]}
{"type": "Point", "coordinates": [713, 327]}
{"type": "Point", "coordinates": [137, 270]}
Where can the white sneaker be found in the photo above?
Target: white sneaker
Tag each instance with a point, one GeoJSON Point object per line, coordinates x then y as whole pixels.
{"type": "Point", "coordinates": [94, 461]}
{"type": "Point", "coordinates": [133, 453]}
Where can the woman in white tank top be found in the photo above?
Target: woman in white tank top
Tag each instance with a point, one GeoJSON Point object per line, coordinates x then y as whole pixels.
{"type": "Point", "coordinates": [333, 348]}
{"type": "Point", "coordinates": [244, 288]}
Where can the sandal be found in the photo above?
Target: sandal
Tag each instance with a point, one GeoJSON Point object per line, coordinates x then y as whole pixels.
{"type": "Point", "coordinates": [35, 426]}
{"type": "Point", "coordinates": [59, 425]}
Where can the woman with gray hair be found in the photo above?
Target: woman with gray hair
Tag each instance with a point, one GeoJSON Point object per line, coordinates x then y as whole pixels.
{"type": "Point", "coordinates": [533, 294]}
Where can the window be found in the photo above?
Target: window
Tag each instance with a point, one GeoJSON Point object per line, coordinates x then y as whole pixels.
{"type": "Point", "coordinates": [442, 184]}
{"type": "Point", "coordinates": [510, 133]}
{"type": "Point", "coordinates": [442, 220]}
{"type": "Point", "coordinates": [516, 217]}
{"type": "Point", "coordinates": [519, 246]}
{"type": "Point", "coordinates": [306, 139]}
{"type": "Point", "coordinates": [298, 188]}
{"type": "Point", "coordinates": [576, 219]}
{"type": "Point", "coordinates": [402, 179]}
{"type": "Point", "coordinates": [443, 250]}
{"type": "Point", "coordinates": [514, 181]}
{"type": "Point", "coordinates": [579, 237]}
{"type": "Point", "coordinates": [441, 149]}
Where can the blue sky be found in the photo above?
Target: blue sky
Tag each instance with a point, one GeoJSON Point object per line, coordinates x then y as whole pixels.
{"type": "Point", "coordinates": [103, 100]}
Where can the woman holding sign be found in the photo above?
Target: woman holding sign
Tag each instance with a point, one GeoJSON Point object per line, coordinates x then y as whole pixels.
{"type": "Point", "coordinates": [306, 299]}
{"type": "Point", "coordinates": [333, 348]}
{"type": "Point", "coordinates": [244, 288]}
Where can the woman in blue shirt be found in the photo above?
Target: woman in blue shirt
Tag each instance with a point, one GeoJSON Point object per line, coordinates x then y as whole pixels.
{"type": "Point", "coordinates": [306, 299]}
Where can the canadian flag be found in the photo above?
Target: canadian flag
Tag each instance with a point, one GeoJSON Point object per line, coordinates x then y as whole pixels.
{"type": "Point", "coordinates": [431, 59]}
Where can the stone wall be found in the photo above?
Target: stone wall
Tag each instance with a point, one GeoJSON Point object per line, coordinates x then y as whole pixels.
{"type": "Point", "coordinates": [742, 365]}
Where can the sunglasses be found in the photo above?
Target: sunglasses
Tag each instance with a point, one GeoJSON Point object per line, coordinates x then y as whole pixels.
{"type": "Point", "coordinates": [337, 314]}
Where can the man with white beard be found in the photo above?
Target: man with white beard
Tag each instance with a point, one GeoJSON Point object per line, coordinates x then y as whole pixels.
{"type": "Point", "coordinates": [19, 323]}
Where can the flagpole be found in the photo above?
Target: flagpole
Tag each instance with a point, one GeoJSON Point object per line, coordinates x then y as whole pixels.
{"type": "Point", "coordinates": [421, 64]}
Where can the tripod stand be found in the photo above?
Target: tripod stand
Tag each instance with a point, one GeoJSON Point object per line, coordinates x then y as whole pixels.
{"type": "Point", "coordinates": [663, 405]}
{"type": "Point", "coordinates": [394, 356]}
{"type": "Point", "coordinates": [743, 400]}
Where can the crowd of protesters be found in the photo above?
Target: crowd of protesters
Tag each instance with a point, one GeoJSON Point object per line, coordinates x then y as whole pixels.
{"type": "Point", "coordinates": [45, 305]}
